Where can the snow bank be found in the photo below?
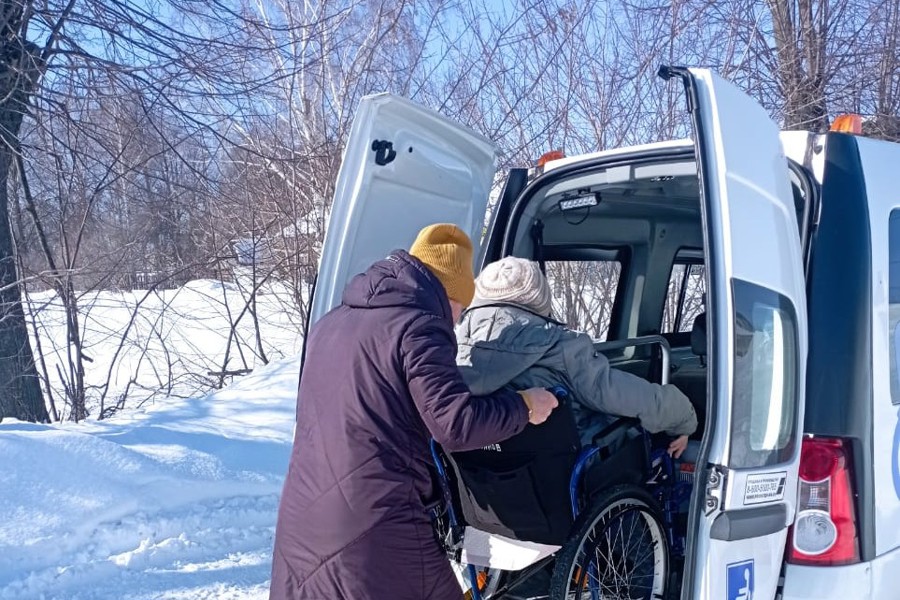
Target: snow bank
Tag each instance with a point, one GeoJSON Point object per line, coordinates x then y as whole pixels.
{"type": "Point", "coordinates": [174, 501]}
{"type": "Point", "coordinates": [165, 342]}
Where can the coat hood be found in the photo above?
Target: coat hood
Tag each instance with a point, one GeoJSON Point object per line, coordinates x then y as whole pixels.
{"type": "Point", "coordinates": [504, 340]}
{"type": "Point", "coordinates": [396, 281]}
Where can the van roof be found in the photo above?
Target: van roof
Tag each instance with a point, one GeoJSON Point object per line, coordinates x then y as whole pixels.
{"type": "Point", "coordinates": [560, 162]}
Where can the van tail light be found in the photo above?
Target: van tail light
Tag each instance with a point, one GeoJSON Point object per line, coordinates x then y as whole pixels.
{"type": "Point", "coordinates": [824, 531]}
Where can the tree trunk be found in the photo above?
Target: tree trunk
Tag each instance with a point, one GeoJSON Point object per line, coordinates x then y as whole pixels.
{"type": "Point", "coordinates": [20, 390]}
{"type": "Point", "coordinates": [801, 47]}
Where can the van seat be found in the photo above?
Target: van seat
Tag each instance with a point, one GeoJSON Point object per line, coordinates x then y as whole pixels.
{"type": "Point", "coordinates": [691, 376]}
{"type": "Point", "coordinates": [698, 336]}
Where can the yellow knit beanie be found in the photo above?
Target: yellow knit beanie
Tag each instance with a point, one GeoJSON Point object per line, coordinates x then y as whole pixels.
{"type": "Point", "coordinates": [447, 252]}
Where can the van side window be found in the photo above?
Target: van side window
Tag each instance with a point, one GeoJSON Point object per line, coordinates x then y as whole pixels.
{"type": "Point", "coordinates": [765, 376]}
{"type": "Point", "coordinates": [584, 293]}
{"type": "Point", "coordinates": [894, 300]}
{"type": "Point", "coordinates": [684, 297]}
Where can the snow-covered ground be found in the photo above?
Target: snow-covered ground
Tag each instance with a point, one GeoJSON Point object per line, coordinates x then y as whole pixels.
{"type": "Point", "coordinates": [176, 500]}
{"type": "Point", "coordinates": [165, 342]}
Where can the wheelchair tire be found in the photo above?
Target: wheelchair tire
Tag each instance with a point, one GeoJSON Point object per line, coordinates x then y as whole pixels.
{"type": "Point", "coordinates": [619, 550]}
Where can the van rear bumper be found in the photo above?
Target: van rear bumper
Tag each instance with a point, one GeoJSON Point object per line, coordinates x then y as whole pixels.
{"type": "Point", "coordinates": [878, 579]}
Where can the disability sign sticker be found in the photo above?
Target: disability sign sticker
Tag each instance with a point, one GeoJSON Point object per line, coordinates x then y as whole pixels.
{"type": "Point", "coordinates": [740, 580]}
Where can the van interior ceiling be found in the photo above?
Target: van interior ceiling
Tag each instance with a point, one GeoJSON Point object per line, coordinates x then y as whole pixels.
{"type": "Point", "coordinates": [622, 205]}
{"type": "Point", "coordinates": [647, 211]}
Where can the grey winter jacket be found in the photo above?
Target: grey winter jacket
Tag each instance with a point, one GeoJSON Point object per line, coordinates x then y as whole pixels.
{"type": "Point", "coordinates": [504, 345]}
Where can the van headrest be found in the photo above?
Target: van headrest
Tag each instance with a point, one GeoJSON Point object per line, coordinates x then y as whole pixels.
{"type": "Point", "coordinates": [698, 335]}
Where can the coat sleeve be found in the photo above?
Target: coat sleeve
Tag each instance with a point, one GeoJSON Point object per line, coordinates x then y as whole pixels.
{"type": "Point", "coordinates": [607, 390]}
{"type": "Point", "coordinates": [456, 419]}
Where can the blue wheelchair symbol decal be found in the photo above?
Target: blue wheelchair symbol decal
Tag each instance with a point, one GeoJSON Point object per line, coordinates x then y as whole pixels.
{"type": "Point", "coordinates": [740, 580]}
{"type": "Point", "coordinates": [895, 457]}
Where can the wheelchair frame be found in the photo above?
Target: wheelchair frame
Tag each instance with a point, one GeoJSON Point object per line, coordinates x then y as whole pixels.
{"type": "Point", "coordinates": [662, 480]}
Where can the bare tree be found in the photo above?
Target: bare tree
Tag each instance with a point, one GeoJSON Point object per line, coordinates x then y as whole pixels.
{"type": "Point", "coordinates": [584, 294]}
{"type": "Point", "coordinates": [21, 63]}
{"type": "Point", "coordinates": [178, 57]}
{"type": "Point", "coordinates": [155, 137]}
{"type": "Point", "coordinates": [324, 57]}
{"type": "Point", "coordinates": [809, 60]}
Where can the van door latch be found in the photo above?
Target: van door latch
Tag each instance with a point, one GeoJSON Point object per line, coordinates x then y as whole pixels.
{"type": "Point", "coordinates": [384, 152]}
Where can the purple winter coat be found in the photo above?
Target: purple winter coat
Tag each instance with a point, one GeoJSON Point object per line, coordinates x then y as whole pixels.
{"type": "Point", "coordinates": [380, 378]}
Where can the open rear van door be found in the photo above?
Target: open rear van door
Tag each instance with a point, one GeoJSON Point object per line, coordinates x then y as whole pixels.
{"type": "Point", "coordinates": [404, 167]}
{"type": "Point", "coordinates": [746, 492]}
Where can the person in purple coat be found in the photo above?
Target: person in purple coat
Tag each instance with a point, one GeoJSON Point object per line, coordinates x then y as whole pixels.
{"type": "Point", "coordinates": [380, 379]}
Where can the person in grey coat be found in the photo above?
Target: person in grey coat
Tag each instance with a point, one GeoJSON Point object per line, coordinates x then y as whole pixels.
{"type": "Point", "coordinates": [508, 338]}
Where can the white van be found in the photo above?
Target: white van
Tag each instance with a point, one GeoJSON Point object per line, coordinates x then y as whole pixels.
{"type": "Point", "coordinates": [789, 243]}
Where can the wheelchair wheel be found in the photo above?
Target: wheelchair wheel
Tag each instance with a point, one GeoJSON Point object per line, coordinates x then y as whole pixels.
{"type": "Point", "coordinates": [619, 550]}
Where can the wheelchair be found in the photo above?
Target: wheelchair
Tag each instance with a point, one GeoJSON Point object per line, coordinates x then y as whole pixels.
{"type": "Point", "coordinates": [609, 520]}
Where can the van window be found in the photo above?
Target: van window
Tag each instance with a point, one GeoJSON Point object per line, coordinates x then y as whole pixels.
{"type": "Point", "coordinates": [765, 377]}
{"type": "Point", "coordinates": [894, 300]}
{"type": "Point", "coordinates": [684, 297]}
{"type": "Point", "coordinates": [584, 293]}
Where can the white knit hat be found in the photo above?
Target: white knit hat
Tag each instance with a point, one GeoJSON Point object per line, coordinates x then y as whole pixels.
{"type": "Point", "coordinates": [516, 281]}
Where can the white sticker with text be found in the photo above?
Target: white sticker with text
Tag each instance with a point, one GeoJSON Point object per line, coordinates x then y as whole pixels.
{"type": "Point", "coordinates": [764, 487]}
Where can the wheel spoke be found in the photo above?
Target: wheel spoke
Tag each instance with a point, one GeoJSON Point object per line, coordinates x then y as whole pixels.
{"type": "Point", "coordinates": [622, 556]}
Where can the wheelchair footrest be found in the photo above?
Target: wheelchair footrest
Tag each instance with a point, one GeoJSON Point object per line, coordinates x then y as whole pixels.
{"type": "Point", "coordinates": [484, 549]}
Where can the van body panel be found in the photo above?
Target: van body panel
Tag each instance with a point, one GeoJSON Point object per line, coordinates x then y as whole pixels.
{"type": "Point", "coordinates": [763, 575]}
{"type": "Point", "coordinates": [845, 582]}
{"type": "Point", "coordinates": [516, 181]}
{"type": "Point", "coordinates": [753, 251]}
{"type": "Point", "coordinates": [879, 163]}
{"type": "Point", "coordinates": [878, 579]}
{"type": "Point", "coordinates": [839, 367]}
{"type": "Point", "coordinates": [581, 158]}
{"type": "Point", "coordinates": [805, 148]}
{"type": "Point", "coordinates": [404, 167]}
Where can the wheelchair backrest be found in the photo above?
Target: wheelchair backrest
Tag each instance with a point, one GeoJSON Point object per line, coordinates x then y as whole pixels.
{"type": "Point", "coordinates": [519, 488]}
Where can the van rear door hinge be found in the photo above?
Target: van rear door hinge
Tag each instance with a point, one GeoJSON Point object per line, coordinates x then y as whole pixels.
{"type": "Point", "coordinates": [715, 484]}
